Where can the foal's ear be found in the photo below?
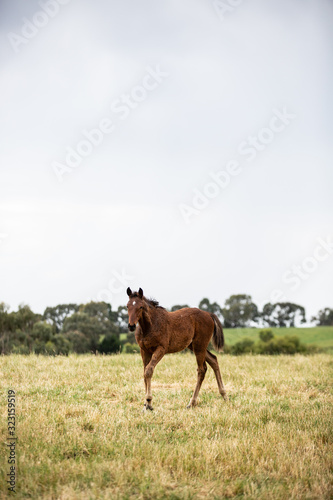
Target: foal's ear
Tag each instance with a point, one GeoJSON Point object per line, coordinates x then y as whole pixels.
{"type": "Point", "coordinates": [129, 291]}
{"type": "Point", "coordinates": [140, 293]}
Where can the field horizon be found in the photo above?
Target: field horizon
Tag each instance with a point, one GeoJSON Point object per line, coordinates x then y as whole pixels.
{"type": "Point", "coordinates": [321, 336]}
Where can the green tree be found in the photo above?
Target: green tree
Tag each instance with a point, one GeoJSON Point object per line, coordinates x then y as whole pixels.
{"type": "Point", "coordinates": [100, 310]}
{"type": "Point", "coordinates": [211, 307]}
{"type": "Point", "coordinates": [324, 317]}
{"type": "Point", "coordinates": [42, 331]}
{"type": "Point", "coordinates": [59, 313]}
{"type": "Point", "coordinates": [22, 323]}
{"type": "Point", "coordinates": [6, 326]}
{"type": "Point", "coordinates": [89, 326]}
{"type": "Point", "coordinates": [122, 319]}
{"type": "Point", "coordinates": [78, 341]}
{"type": "Point", "coordinates": [283, 314]}
{"type": "Point", "coordinates": [93, 321]}
{"type": "Point", "coordinates": [177, 307]}
{"type": "Point", "coordinates": [62, 344]}
{"type": "Point", "coordinates": [239, 311]}
{"type": "Point", "coordinates": [25, 318]}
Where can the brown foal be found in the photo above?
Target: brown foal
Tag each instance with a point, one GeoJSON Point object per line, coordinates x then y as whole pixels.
{"type": "Point", "coordinates": [159, 332]}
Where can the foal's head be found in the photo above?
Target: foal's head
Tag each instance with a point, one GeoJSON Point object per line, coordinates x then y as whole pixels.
{"type": "Point", "coordinates": [135, 307]}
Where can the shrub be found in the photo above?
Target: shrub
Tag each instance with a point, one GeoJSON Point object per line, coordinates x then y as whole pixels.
{"type": "Point", "coordinates": [20, 349]}
{"type": "Point", "coordinates": [226, 349]}
{"type": "Point", "coordinates": [242, 347]}
{"type": "Point", "coordinates": [108, 344]}
{"type": "Point", "coordinates": [39, 347]}
{"type": "Point", "coordinates": [289, 344]}
{"type": "Point", "coordinates": [62, 344]}
{"type": "Point", "coordinates": [78, 341]}
{"type": "Point", "coordinates": [129, 348]}
{"type": "Point", "coordinates": [49, 348]}
{"type": "Point", "coordinates": [281, 345]}
{"type": "Point", "coordinates": [266, 335]}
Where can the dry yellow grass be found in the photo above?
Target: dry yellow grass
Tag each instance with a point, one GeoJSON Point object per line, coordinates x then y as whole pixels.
{"type": "Point", "coordinates": [82, 434]}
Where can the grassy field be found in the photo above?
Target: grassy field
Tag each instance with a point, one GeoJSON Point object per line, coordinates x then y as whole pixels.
{"type": "Point", "coordinates": [82, 434]}
{"type": "Point", "coordinates": [322, 336]}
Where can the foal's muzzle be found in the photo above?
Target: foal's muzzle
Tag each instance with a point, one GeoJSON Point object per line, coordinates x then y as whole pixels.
{"type": "Point", "coordinates": [131, 327]}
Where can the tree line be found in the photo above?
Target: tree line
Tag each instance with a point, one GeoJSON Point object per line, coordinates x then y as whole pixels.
{"type": "Point", "coordinates": [96, 327]}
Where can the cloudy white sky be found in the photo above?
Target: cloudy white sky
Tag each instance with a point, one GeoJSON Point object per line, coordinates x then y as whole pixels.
{"type": "Point", "coordinates": [225, 75]}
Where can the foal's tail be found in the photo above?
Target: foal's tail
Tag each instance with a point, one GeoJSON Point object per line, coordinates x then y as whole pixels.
{"type": "Point", "coordinates": [218, 336]}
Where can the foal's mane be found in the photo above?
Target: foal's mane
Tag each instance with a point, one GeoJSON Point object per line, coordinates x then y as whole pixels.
{"type": "Point", "coordinates": [150, 302]}
{"type": "Point", "coordinates": [153, 303]}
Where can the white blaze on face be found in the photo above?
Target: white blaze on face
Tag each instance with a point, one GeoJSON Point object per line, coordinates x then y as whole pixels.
{"type": "Point", "coordinates": [134, 303]}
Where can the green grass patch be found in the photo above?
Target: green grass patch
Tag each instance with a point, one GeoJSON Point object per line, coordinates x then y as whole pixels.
{"type": "Point", "coordinates": [322, 336]}
{"type": "Point", "coordinates": [82, 434]}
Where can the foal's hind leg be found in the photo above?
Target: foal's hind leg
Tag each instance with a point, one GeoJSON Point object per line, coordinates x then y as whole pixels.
{"type": "Point", "coordinates": [212, 361]}
{"type": "Point", "coordinates": [202, 368]}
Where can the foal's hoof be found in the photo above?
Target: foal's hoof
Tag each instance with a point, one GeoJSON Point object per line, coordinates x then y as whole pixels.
{"type": "Point", "coordinates": [225, 397]}
{"type": "Point", "coordinates": [147, 407]}
{"type": "Point", "coordinates": [191, 405]}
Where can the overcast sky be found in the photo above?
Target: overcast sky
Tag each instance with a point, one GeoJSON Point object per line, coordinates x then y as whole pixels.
{"type": "Point", "coordinates": [211, 172]}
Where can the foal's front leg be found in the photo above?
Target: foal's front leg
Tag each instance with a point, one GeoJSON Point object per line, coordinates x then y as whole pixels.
{"type": "Point", "coordinates": [149, 370]}
{"type": "Point", "coordinates": [146, 357]}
